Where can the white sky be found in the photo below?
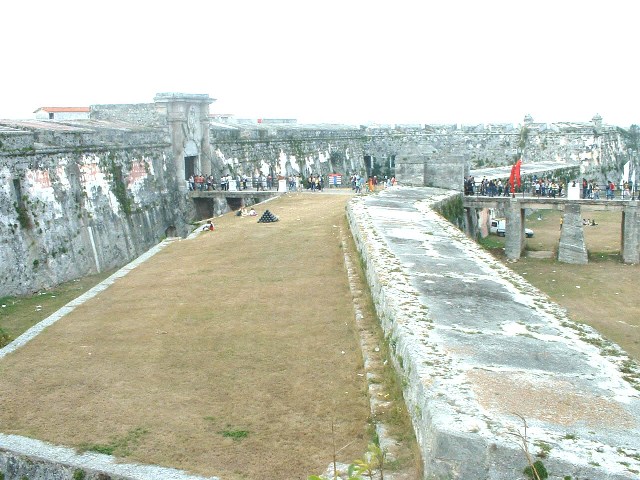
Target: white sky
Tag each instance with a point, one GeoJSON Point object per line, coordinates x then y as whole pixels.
{"type": "Point", "coordinates": [347, 61]}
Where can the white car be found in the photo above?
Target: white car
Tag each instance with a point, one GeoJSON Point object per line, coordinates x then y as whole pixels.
{"type": "Point", "coordinates": [498, 226]}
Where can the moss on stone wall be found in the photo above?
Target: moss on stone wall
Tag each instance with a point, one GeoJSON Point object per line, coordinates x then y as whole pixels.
{"type": "Point", "coordinates": [23, 215]}
{"type": "Point", "coordinates": [118, 186]}
{"type": "Point", "coordinates": [452, 209]}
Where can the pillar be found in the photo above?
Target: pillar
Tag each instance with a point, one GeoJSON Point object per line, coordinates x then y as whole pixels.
{"type": "Point", "coordinates": [631, 233]}
{"type": "Point", "coordinates": [572, 248]}
{"type": "Point", "coordinates": [514, 231]}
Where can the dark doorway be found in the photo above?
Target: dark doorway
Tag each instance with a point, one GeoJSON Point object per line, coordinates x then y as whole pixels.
{"type": "Point", "coordinates": [189, 167]}
{"type": "Point", "coordinates": [367, 165]}
{"type": "Point", "coordinates": [234, 203]}
{"type": "Point", "coordinates": [204, 208]}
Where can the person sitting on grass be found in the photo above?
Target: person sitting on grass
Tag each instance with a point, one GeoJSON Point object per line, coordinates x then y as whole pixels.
{"type": "Point", "coordinates": [207, 227]}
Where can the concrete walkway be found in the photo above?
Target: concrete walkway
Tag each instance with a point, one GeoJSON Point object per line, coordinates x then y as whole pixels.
{"type": "Point", "coordinates": [480, 349]}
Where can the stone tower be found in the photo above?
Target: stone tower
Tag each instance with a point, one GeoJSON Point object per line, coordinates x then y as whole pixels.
{"type": "Point", "coordinates": [188, 119]}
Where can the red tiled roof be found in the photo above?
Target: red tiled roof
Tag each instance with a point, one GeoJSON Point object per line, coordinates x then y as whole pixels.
{"type": "Point", "coordinates": [63, 109]}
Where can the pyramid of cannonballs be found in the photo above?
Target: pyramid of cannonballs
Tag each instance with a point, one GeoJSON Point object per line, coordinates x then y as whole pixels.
{"type": "Point", "coordinates": [268, 217]}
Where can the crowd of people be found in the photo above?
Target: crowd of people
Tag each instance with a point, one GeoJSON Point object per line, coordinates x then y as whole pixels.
{"type": "Point", "coordinates": [486, 187]}
{"type": "Point", "coordinates": [313, 183]}
{"type": "Point", "coordinates": [549, 187]}
{"type": "Point", "coordinates": [545, 187]}
{"type": "Point", "coordinates": [360, 185]}
{"type": "Point", "coordinates": [591, 189]}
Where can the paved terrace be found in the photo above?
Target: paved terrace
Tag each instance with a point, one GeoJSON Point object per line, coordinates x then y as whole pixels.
{"type": "Point", "coordinates": [478, 346]}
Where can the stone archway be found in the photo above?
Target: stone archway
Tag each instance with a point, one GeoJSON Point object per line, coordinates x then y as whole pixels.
{"type": "Point", "coordinates": [188, 119]}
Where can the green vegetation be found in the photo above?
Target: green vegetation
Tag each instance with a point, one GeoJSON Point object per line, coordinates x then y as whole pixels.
{"type": "Point", "coordinates": [23, 215]}
{"type": "Point", "coordinates": [4, 340]}
{"type": "Point", "coordinates": [372, 462]}
{"type": "Point", "coordinates": [79, 474]}
{"type": "Point", "coordinates": [522, 141]}
{"type": "Point", "coordinates": [452, 210]}
{"type": "Point", "coordinates": [19, 313]}
{"type": "Point", "coordinates": [544, 447]}
{"type": "Point", "coordinates": [115, 174]}
{"type": "Point", "coordinates": [235, 434]}
{"type": "Point", "coordinates": [537, 471]}
{"type": "Point", "coordinates": [121, 447]}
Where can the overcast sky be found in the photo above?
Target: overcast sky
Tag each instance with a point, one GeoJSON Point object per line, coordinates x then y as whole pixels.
{"type": "Point", "coordinates": [347, 61]}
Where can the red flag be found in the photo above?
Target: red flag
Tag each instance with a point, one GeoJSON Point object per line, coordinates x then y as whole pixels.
{"type": "Point", "coordinates": [515, 175]}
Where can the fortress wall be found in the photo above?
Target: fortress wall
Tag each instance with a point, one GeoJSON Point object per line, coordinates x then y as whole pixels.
{"type": "Point", "coordinates": [136, 114]}
{"type": "Point", "coordinates": [68, 212]}
{"type": "Point", "coordinates": [288, 151]}
{"type": "Point", "coordinates": [422, 155]}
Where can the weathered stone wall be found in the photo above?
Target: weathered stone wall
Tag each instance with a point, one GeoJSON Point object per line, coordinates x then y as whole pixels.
{"type": "Point", "coordinates": [137, 114]}
{"type": "Point", "coordinates": [93, 202]}
{"type": "Point", "coordinates": [287, 150]}
{"type": "Point", "coordinates": [599, 150]}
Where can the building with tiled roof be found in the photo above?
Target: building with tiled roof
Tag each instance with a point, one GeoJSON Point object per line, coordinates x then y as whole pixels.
{"type": "Point", "coordinates": [62, 113]}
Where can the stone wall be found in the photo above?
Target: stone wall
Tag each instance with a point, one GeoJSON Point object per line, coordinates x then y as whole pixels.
{"type": "Point", "coordinates": [433, 155]}
{"type": "Point", "coordinates": [136, 114]}
{"type": "Point", "coordinates": [92, 202]}
{"type": "Point", "coordinates": [287, 150]}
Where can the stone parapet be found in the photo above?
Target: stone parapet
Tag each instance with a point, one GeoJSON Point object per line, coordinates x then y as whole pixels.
{"type": "Point", "coordinates": [478, 349]}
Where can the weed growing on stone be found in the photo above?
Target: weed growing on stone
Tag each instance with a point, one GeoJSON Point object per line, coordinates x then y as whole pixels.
{"type": "Point", "coordinates": [372, 462]}
{"type": "Point", "coordinates": [535, 470]}
{"type": "Point", "coordinates": [79, 474]}
{"type": "Point", "coordinates": [544, 447]}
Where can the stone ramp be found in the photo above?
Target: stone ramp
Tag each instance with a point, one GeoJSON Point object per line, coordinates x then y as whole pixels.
{"type": "Point", "coordinates": [479, 348]}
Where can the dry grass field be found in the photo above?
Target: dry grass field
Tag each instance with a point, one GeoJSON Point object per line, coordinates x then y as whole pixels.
{"type": "Point", "coordinates": [186, 363]}
{"type": "Point", "coordinates": [602, 293]}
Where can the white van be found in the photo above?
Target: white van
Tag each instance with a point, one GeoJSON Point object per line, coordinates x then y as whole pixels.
{"type": "Point", "coordinates": [498, 227]}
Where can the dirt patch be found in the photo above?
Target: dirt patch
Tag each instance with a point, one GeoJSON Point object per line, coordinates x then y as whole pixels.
{"type": "Point", "coordinates": [549, 400]}
{"type": "Point", "coordinates": [230, 354]}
